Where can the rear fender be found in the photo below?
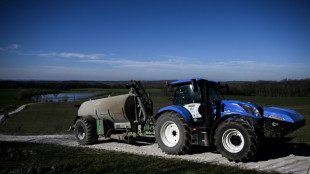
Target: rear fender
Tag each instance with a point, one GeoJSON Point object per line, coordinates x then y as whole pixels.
{"type": "Point", "coordinates": [76, 118]}
{"type": "Point", "coordinates": [179, 109]}
{"type": "Point", "coordinates": [86, 117]}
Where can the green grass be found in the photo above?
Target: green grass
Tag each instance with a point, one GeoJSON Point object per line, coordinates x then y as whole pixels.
{"type": "Point", "coordinates": [7, 97]}
{"type": "Point", "coordinates": [41, 118]}
{"type": "Point", "coordinates": [39, 158]}
{"type": "Point", "coordinates": [50, 118]}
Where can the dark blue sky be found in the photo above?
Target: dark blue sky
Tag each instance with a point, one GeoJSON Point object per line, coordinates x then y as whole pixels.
{"type": "Point", "coordinates": [149, 40]}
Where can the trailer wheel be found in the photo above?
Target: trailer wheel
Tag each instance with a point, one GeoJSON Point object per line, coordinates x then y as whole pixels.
{"type": "Point", "coordinates": [236, 140]}
{"type": "Point", "coordinates": [85, 131]}
{"type": "Point", "coordinates": [172, 134]}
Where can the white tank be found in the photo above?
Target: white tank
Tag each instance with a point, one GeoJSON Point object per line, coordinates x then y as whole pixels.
{"type": "Point", "coordinates": [118, 109]}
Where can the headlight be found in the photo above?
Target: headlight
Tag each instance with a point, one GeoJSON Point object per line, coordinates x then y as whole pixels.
{"type": "Point", "coordinates": [256, 112]}
{"type": "Point", "coordinates": [276, 117]}
{"type": "Point", "coordinates": [249, 110]}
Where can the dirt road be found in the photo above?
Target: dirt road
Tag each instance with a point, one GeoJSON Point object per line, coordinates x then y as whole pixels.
{"type": "Point", "coordinates": [285, 158]}
{"type": "Point", "coordinates": [22, 107]}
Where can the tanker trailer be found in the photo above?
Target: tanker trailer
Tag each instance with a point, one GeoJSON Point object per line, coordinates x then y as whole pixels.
{"type": "Point", "coordinates": [124, 116]}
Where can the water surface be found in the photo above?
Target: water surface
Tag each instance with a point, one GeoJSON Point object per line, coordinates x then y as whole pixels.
{"type": "Point", "coordinates": [63, 97]}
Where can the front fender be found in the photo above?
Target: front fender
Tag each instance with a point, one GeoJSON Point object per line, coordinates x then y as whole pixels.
{"type": "Point", "coordinates": [179, 109]}
{"type": "Point", "coordinates": [218, 122]}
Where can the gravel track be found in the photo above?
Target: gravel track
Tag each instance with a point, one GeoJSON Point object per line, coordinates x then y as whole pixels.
{"type": "Point", "coordinates": [286, 158]}
{"type": "Point", "coordinates": [22, 107]}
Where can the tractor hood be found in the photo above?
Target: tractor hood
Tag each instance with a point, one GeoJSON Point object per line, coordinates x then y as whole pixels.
{"type": "Point", "coordinates": [243, 108]}
{"type": "Point", "coordinates": [256, 111]}
{"type": "Point", "coordinates": [283, 114]}
{"type": "Point", "coordinates": [277, 122]}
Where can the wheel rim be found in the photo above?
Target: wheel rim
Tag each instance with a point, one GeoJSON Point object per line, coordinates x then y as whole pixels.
{"type": "Point", "coordinates": [81, 132]}
{"type": "Point", "coordinates": [233, 140]}
{"type": "Point", "coordinates": [170, 134]}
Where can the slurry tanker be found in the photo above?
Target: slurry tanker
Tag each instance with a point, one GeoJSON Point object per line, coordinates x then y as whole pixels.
{"type": "Point", "coordinates": [197, 117]}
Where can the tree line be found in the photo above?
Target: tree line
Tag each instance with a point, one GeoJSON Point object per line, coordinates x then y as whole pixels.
{"type": "Point", "coordinates": [65, 85]}
{"type": "Point", "coordinates": [283, 88]}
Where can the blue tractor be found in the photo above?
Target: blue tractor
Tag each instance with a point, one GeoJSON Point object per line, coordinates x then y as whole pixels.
{"type": "Point", "coordinates": [199, 117]}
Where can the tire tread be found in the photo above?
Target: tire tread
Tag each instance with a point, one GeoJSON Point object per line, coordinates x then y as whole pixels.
{"type": "Point", "coordinates": [91, 134]}
{"type": "Point", "coordinates": [186, 146]}
{"type": "Point", "coordinates": [254, 141]}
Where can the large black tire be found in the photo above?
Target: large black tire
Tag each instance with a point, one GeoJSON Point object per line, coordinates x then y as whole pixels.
{"type": "Point", "coordinates": [172, 134]}
{"type": "Point", "coordinates": [236, 140]}
{"type": "Point", "coordinates": [85, 131]}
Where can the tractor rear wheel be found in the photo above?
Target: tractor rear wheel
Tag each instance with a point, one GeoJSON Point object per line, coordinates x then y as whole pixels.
{"type": "Point", "coordinates": [172, 134]}
{"type": "Point", "coordinates": [85, 131]}
{"type": "Point", "coordinates": [236, 140]}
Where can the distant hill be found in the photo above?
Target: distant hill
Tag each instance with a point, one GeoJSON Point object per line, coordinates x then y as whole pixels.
{"type": "Point", "coordinates": [75, 84]}
{"type": "Point", "coordinates": [286, 87]}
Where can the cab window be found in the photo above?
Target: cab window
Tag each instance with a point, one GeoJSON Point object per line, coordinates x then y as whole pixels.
{"type": "Point", "coordinates": [185, 94]}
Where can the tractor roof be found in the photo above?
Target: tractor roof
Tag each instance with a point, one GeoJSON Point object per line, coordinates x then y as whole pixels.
{"type": "Point", "coordinates": [180, 82]}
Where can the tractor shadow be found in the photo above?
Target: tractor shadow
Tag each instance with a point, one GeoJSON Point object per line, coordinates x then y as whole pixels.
{"type": "Point", "coordinates": [141, 141]}
{"type": "Point", "coordinates": [269, 149]}
{"type": "Point", "coordinates": [278, 148]}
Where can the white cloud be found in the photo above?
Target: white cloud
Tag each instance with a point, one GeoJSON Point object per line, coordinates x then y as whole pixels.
{"type": "Point", "coordinates": [101, 67]}
{"type": "Point", "coordinates": [67, 73]}
{"type": "Point", "coordinates": [73, 55]}
{"type": "Point", "coordinates": [231, 70]}
{"type": "Point", "coordinates": [10, 47]}
{"type": "Point", "coordinates": [47, 54]}
{"type": "Point", "coordinates": [14, 46]}
{"type": "Point", "coordinates": [117, 69]}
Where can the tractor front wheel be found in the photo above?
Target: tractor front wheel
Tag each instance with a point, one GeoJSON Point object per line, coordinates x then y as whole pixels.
{"type": "Point", "coordinates": [85, 131]}
{"type": "Point", "coordinates": [172, 134]}
{"type": "Point", "coordinates": [236, 140]}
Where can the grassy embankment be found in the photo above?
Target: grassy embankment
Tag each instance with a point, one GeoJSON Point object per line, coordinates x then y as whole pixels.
{"type": "Point", "coordinates": [7, 97]}
{"type": "Point", "coordinates": [51, 118]}
{"type": "Point", "coordinates": [38, 158]}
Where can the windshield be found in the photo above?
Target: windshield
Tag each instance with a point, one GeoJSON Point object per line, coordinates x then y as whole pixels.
{"type": "Point", "coordinates": [213, 95]}
{"type": "Point", "coordinates": [185, 95]}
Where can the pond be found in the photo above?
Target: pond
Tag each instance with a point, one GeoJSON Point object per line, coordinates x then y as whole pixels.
{"type": "Point", "coordinates": [63, 97]}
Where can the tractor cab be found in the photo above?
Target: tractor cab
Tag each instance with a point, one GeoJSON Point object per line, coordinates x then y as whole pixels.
{"type": "Point", "coordinates": [199, 97]}
{"type": "Point", "coordinates": [185, 94]}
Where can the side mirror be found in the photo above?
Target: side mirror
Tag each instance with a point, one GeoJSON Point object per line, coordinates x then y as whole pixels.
{"type": "Point", "coordinates": [194, 84]}
{"type": "Point", "coordinates": [168, 86]}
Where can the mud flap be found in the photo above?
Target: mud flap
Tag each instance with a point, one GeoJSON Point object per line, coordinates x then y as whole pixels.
{"type": "Point", "coordinates": [99, 127]}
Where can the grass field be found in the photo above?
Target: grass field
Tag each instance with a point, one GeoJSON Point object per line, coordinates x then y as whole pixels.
{"type": "Point", "coordinates": [38, 158]}
{"type": "Point", "coordinates": [7, 97]}
{"type": "Point", "coordinates": [56, 118]}
{"type": "Point", "coordinates": [52, 118]}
